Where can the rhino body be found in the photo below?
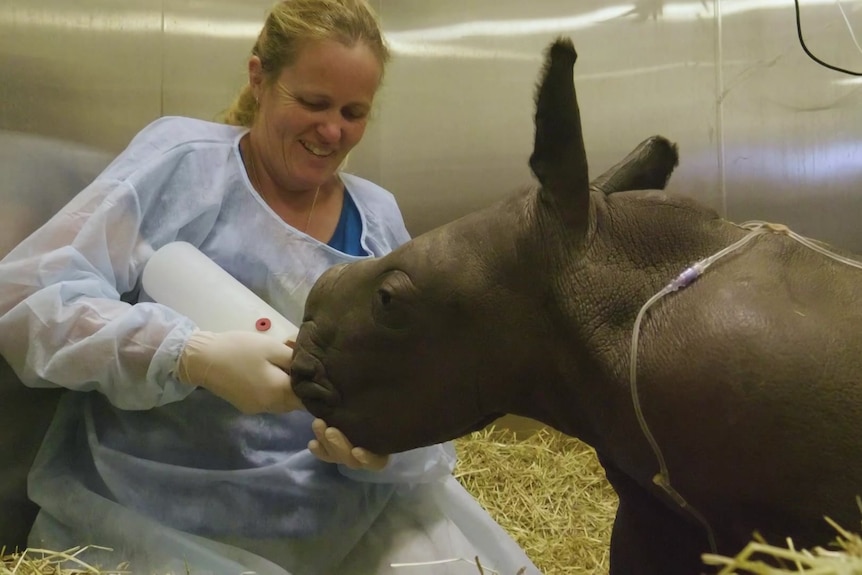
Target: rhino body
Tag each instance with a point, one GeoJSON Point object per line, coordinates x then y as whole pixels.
{"type": "Point", "coordinates": [747, 379]}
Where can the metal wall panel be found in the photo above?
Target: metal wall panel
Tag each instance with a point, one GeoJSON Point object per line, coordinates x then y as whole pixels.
{"type": "Point", "coordinates": [763, 131]}
{"type": "Point", "coordinates": [456, 117]}
{"type": "Point", "coordinates": [84, 70]}
{"type": "Point", "coordinates": [793, 129]}
{"type": "Point", "coordinates": [206, 50]}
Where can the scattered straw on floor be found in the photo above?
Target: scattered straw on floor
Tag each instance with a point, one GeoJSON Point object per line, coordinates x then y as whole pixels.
{"type": "Point", "coordinates": [844, 559]}
{"type": "Point", "coordinates": [548, 491]}
{"type": "Point", "coordinates": [44, 562]}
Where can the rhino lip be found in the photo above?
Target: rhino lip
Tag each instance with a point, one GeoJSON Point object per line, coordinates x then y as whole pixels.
{"type": "Point", "coordinates": [310, 385]}
{"type": "Point", "coordinates": [318, 399]}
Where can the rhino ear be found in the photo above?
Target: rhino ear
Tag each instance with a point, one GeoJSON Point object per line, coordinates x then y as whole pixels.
{"type": "Point", "coordinates": [559, 160]}
{"type": "Point", "coordinates": [647, 167]}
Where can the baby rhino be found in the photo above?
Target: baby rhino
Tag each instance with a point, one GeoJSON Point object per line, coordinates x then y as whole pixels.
{"type": "Point", "coordinates": [741, 412]}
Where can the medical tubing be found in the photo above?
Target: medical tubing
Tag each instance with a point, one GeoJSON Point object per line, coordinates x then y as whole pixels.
{"type": "Point", "coordinates": [683, 280]}
{"type": "Point", "coordinates": [756, 224]}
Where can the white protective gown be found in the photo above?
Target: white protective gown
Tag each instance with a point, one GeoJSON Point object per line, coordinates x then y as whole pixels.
{"type": "Point", "coordinates": [170, 477]}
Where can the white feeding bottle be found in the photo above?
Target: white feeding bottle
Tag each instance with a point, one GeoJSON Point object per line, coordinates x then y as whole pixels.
{"type": "Point", "coordinates": [181, 277]}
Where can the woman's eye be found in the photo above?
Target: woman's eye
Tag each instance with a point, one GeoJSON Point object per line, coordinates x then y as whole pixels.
{"type": "Point", "coordinates": [350, 114]}
{"type": "Point", "coordinates": [312, 105]}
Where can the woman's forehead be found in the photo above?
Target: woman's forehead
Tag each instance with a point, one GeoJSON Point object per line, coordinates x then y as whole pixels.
{"type": "Point", "coordinates": [330, 67]}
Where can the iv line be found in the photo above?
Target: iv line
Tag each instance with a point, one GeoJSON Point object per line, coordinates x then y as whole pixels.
{"type": "Point", "coordinates": [683, 280]}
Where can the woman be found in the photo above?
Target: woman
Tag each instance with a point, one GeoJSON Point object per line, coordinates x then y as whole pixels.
{"type": "Point", "coordinates": [183, 450]}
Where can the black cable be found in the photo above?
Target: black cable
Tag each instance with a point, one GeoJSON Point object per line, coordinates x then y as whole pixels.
{"type": "Point", "coordinates": [807, 51]}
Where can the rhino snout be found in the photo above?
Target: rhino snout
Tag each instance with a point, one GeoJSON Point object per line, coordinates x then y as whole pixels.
{"type": "Point", "coordinates": [311, 386]}
{"type": "Point", "coordinates": [323, 288]}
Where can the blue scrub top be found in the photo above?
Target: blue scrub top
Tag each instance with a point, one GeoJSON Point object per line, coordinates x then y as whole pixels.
{"type": "Point", "coordinates": [349, 230]}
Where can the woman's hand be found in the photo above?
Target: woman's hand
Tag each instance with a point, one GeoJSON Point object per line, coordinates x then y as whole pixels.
{"type": "Point", "coordinates": [331, 446]}
{"type": "Point", "coordinates": [247, 369]}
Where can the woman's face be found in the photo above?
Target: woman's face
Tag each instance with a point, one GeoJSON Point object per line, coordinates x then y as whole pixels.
{"type": "Point", "coordinates": [315, 113]}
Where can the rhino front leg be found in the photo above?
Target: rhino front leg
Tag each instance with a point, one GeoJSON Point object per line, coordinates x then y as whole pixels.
{"type": "Point", "coordinates": [648, 538]}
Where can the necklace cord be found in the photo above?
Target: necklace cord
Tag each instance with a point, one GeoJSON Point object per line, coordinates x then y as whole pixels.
{"type": "Point", "coordinates": [256, 183]}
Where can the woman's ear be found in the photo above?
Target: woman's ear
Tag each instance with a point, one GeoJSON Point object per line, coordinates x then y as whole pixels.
{"type": "Point", "coordinates": [255, 76]}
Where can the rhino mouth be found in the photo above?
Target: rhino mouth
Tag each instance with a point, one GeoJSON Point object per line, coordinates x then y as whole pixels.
{"type": "Point", "coordinates": [310, 385]}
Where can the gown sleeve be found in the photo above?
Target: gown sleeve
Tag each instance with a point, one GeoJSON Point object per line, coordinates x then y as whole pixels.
{"type": "Point", "coordinates": [67, 316]}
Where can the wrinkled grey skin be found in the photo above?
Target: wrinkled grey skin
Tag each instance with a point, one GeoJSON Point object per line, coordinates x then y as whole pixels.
{"type": "Point", "coordinates": [748, 378]}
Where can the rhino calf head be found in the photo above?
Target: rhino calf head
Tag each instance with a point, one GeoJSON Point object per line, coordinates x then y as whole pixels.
{"type": "Point", "coordinates": [457, 327]}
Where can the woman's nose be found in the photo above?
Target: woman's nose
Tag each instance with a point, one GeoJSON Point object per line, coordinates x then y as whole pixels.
{"type": "Point", "coordinates": [330, 128]}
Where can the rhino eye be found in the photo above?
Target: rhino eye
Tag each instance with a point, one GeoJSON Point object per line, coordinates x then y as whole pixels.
{"type": "Point", "coordinates": [392, 299]}
{"type": "Point", "coordinates": [384, 296]}
{"type": "Point", "coordinates": [389, 311]}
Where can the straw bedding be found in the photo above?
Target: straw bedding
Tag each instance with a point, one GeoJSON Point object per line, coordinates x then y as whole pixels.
{"type": "Point", "coordinates": [45, 562]}
{"type": "Point", "coordinates": [547, 490]}
{"type": "Point", "coordinates": [843, 556]}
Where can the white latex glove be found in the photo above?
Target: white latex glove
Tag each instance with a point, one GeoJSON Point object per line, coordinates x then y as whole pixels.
{"type": "Point", "coordinates": [247, 369]}
{"type": "Point", "coordinates": [332, 446]}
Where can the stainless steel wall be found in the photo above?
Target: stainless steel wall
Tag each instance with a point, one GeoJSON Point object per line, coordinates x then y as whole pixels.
{"type": "Point", "coordinates": [764, 132]}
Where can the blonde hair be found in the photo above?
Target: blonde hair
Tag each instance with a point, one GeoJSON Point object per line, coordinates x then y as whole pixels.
{"type": "Point", "coordinates": [290, 25]}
